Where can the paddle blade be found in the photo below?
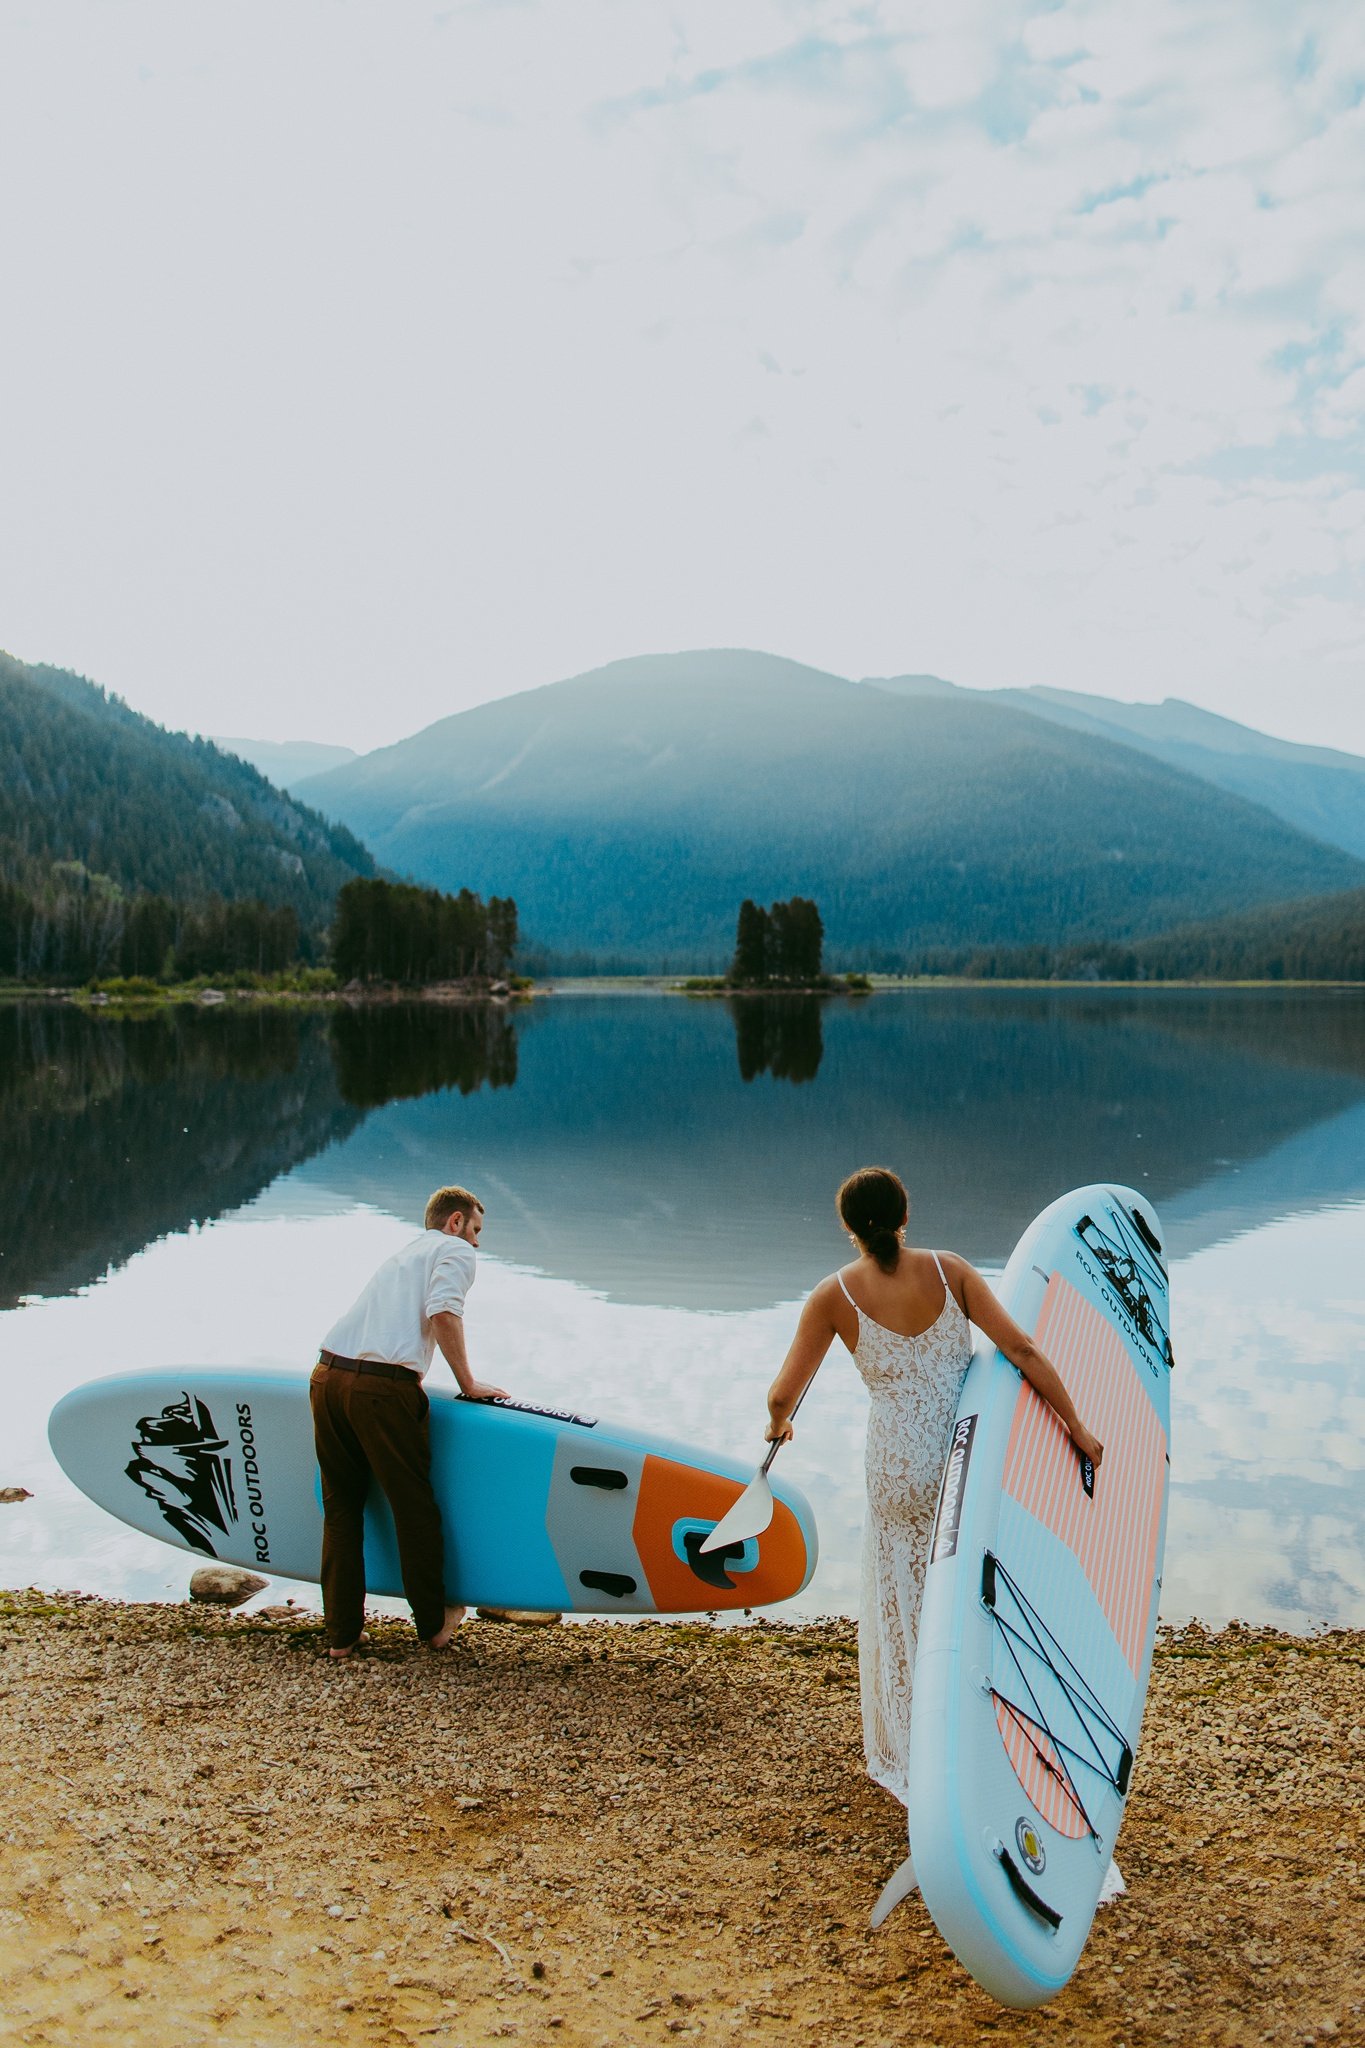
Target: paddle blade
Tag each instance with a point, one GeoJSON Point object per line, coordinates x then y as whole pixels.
{"type": "Point", "coordinates": [749, 1516]}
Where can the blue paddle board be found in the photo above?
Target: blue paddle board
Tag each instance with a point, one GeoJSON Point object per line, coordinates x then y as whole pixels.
{"type": "Point", "coordinates": [542, 1508]}
{"type": "Point", "coordinates": [1040, 1603]}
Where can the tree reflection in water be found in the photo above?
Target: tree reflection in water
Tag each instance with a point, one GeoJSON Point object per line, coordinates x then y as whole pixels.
{"type": "Point", "coordinates": [404, 1049]}
{"type": "Point", "coordinates": [120, 1130]}
{"type": "Point", "coordinates": [778, 1035]}
{"type": "Point", "coordinates": [123, 1129]}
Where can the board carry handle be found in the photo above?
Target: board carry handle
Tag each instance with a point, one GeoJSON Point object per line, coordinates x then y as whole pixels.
{"type": "Point", "coordinates": [618, 1584]}
{"type": "Point", "coordinates": [1145, 1232]}
{"type": "Point", "coordinates": [599, 1475]}
{"type": "Point", "coordinates": [1024, 1891]}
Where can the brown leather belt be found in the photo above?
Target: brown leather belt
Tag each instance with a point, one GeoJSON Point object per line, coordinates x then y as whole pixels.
{"type": "Point", "coordinates": [378, 1366]}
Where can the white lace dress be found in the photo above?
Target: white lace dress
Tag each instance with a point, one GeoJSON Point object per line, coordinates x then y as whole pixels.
{"type": "Point", "coordinates": [914, 1383]}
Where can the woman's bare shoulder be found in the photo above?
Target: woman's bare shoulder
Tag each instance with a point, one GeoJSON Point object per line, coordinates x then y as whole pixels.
{"type": "Point", "coordinates": [959, 1273]}
{"type": "Point", "coordinates": [827, 1291]}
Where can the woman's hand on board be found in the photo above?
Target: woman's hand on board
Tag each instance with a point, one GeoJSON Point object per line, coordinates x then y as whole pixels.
{"type": "Point", "coordinates": [1087, 1443]}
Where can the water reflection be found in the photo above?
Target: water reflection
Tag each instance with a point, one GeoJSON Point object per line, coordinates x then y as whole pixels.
{"type": "Point", "coordinates": [635, 1176]}
{"type": "Point", "coordinates": [120, 1130]}
{"type": "Point", "coordinates": [622, 1144]}
{"type": "Point", "coordinates": [412, 1049]}
{"type": "Point", "coordinates": [632, 1156]}
{"type": "Point", "coordinates": [778, 1035]}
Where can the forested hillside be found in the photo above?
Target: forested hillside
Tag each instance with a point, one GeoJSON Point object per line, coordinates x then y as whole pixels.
{"type": "Point", "coordinates": [100, 809]}
{"type": "Point", "coordinates": [1319, 790]}
{"type": "Point", "coordinates": [1320, 939]}
{"type": "Point", "coordinates": [631, 810]}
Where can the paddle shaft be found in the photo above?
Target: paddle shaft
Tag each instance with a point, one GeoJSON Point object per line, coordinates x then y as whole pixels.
{"type": "Point", "coordinates": [776, 1446]}
{"type": "Point", "coordinates": [738, 1524]}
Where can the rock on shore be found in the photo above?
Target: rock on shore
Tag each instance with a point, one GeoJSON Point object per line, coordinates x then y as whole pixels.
{"type": "Point", "coordinates": [611, 1834]}
{"type": "Point", "coordinates": [225, 1585]}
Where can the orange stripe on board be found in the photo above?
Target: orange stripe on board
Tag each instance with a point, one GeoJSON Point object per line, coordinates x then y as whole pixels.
{"type": "Point", "coordinates": [669, 1493]}
{"type": "Point", "coordinates": [1113, 1536]}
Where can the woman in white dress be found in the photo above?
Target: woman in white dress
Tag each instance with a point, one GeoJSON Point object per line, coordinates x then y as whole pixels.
{"type": "Point", "coordinates": [905, 1315]}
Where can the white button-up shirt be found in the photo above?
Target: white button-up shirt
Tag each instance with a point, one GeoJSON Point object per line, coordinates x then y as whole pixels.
{"type": "Point", "coordinates": [391, 1319]}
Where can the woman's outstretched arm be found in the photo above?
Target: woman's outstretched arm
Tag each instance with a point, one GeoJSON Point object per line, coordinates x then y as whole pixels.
{"type": "Point", "coordinates": [993, 1322]}
{"type": "Point", "coordinates": [815, 1333]}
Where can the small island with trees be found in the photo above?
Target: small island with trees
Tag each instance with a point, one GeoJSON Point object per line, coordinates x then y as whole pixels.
{"type": "Point", "coordinates": [778, 951]}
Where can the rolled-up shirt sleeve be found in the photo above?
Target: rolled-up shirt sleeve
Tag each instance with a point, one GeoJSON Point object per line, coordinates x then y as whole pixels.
{"type": "Point", "coordinates": [452, 1276]}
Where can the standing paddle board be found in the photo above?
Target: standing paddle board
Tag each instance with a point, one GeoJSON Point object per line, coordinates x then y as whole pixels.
{"type": "Point", "coordinates": [542, 1508]}
{"type": "Point", "coordinates": [1040, 1603]}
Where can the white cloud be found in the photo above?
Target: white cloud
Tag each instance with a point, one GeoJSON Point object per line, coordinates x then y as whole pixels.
{"type": "Point", "coordinates": [369, 365]}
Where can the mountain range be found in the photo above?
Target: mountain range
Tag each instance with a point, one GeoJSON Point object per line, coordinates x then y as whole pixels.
{"type": "Point", "coordinates": [629, 810]}
{"type": "Point", "coordinates": [285, 762]}
{"type": "Point", "coordinates": [1318, 789]}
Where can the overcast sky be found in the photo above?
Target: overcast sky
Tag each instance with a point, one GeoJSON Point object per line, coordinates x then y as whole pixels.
{"type": "Point", "coordinates": [359, 362]}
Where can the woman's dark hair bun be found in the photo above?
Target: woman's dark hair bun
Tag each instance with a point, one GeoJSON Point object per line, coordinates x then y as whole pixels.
{"type": "Point", "coordinates": [873, 1204]}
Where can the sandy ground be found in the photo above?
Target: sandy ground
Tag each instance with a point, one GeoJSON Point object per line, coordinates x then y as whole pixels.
{"type": "Point", "coordinates": [605, 1834]}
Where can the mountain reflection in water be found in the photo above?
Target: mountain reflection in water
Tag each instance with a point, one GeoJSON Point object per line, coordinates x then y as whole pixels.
{"type": "Point", "coordinates": [654, 1149]}
{"type": "Point", "coordinates": [124, 1129]}
{"type": "Point", "coordinates": [121, 1130]}
{"type": "Point", "coordinates": [633, 1157]}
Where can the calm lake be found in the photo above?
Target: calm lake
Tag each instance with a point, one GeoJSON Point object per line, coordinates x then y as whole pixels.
{"type": "Point", "coordinates": [213, 1185]}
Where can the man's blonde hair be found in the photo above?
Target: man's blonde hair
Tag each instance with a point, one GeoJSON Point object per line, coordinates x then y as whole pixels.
{"type": "Point", "coordinates": [448, 1202]}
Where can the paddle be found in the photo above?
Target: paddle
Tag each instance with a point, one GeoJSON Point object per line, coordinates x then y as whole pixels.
{"type": "Point", "coordinates": [753, 1511]}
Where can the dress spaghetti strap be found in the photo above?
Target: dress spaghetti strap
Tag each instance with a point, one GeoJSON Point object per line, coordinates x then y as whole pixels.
{"type": "Point", "coordinates": [847, 1296]}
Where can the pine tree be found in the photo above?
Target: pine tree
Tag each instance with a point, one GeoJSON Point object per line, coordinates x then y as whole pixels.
{"type": "Point", "coordinates": [750, 966]}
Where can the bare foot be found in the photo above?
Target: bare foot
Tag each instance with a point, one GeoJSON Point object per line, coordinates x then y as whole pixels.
{"type": "Point", "coordinates": [338, 1656]}
{"type": "Point", "coordinates": [446, 1636]}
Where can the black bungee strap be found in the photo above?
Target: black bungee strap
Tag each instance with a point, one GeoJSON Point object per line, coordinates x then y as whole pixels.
{"type": "Point", "coordinates": [1036, 1639]}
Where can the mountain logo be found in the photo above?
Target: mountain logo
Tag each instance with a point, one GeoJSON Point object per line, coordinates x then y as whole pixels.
{"type": "Point", "coordinates": [179, 1462]}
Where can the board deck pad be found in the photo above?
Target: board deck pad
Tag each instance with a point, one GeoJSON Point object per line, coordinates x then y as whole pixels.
{"type": "Point", "coordinates": [542, 1508]}
{"type": "Point", "coordinates": [1040, 1603]}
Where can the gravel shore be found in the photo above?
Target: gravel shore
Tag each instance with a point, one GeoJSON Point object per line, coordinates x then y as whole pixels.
{"type": "Point", "coordinates": [609, 1834]}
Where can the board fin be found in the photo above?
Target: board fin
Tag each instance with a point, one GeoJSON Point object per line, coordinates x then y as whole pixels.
{"type": "Point", "coordinates": [901, 1883]}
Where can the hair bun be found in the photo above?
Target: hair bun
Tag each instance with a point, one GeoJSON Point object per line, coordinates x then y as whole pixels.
{"type": "Point", "coordinates": [873, 1204]}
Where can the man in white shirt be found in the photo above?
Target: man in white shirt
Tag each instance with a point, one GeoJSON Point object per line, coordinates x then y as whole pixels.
{"type": "Point", "coordinates": [370, 1418]}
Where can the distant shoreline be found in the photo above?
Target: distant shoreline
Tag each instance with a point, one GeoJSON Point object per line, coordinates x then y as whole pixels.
{"type": "Point", "coordinates": [172, 996]}
{"type": "Point", "coordinates": [440, 994]}
{"type": "Point", "coordinates": [673, 984]}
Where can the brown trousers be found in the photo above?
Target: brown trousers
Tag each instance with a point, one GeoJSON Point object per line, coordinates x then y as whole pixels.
{"type": "Point", "coordinates": [364, 1427]}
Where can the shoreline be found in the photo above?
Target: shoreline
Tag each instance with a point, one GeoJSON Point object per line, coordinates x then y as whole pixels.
{"type": "Point", "coordinates": [440, 994]}
{"type": "Point", "coordinates": [617, 1833]}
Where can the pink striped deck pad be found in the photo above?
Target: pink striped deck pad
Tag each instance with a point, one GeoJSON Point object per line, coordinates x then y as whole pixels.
{"type": "Point", "coordinates": [1114, 1535]}
{"type": "Point", "coordinates": [1040, 1771]}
